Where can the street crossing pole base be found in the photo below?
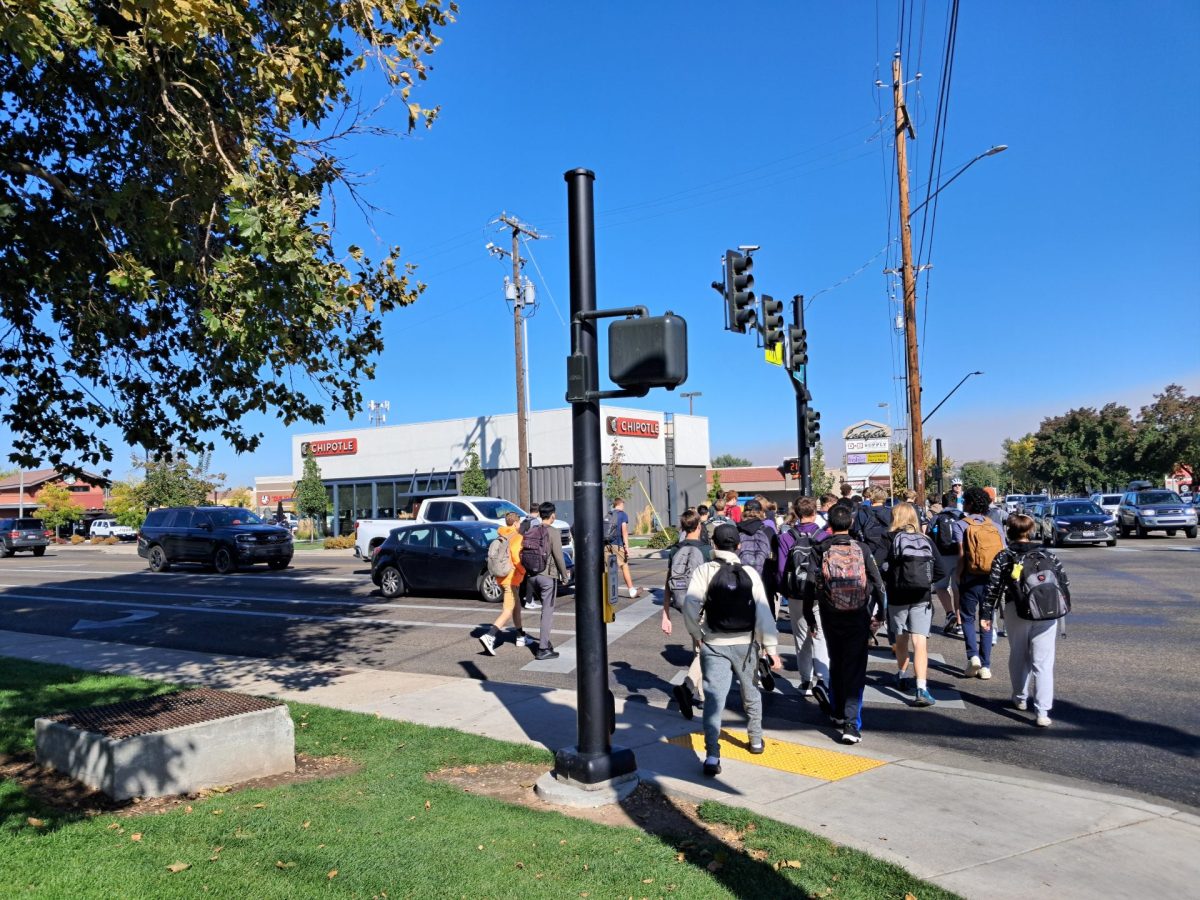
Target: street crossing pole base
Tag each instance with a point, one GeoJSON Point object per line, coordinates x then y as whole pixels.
{"type": "Point", "coordinates": [559, 790]}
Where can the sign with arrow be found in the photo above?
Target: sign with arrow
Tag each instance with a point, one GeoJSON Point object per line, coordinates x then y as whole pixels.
{"type": "Point", "coordinates": [129, 618]}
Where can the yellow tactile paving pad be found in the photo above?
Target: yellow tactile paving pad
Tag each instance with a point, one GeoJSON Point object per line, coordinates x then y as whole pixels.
{"type": "Point", "coordinates": [828, 765]}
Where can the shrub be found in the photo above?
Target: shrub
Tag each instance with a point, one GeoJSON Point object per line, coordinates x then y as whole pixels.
{"type": "Point", "coordinates": [77, 539]}
{"type": "Point", "coordinates": [112, 540]}
{"type": "Point", "coordinates": [661, 540]}
{"type": "Point", "coordinates": [345, 542]}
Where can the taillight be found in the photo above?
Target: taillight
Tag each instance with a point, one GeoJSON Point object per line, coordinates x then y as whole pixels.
{"type": "Point", "coordinates": [14, 534]}
{"type": "Point", "coordinates": [48, 533]}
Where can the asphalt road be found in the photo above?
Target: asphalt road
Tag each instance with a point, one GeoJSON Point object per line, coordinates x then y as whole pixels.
{"type": "Point", "coordinates": [1127, 679]}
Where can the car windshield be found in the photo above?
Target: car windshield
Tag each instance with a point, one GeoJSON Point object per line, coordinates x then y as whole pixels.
{"type": "Point", "coordinates": [233, 516]}
{"type": "Point", "coordinates": [1111, 499]}
{"type": "Point", "coordinates": [497, 509]}
{"type": "Point", "coordinates": [1150, 497]}
{"type": "Point", "coordinates": [1078, 509]}
{"type": "Point", "coordinates": [28, 523]}
{"type": "Point", "coordinates": [1037, 498]}
{"type": "Point", "coordinates": [484, 536]}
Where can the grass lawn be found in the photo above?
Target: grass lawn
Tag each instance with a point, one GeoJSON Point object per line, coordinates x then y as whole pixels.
{"type": "Point", "coordinates": [383, 831]}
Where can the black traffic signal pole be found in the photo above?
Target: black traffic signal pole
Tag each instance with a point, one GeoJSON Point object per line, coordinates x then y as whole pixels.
{"type": "Point", "coordinates": [800, 385]}
{"type": "Point", "coordinates": [594, 759]}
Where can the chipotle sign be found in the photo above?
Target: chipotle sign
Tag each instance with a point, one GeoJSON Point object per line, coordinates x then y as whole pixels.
{"type": "Point", "coordinates": [642, 428]}
{"type": "Point", "coordinates": [339, 447]}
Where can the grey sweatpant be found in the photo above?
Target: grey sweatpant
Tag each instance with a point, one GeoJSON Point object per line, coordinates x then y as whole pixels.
{"type": "Point", "coordinates": [1031, 653]}
{"type": "Point", "coordinates": [720, 663]}
{"type": "Point", "coordinates": [544, 589]}
{"type": "Point", "coordinates": [812, 656]}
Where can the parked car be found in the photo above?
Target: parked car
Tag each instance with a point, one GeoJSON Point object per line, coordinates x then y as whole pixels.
{"type": "Point", "coordinates": [1012, 503]}
{"type": "Point", "coordinates": [1110, 503]}
{"type": "Point", "coordinates": [1144, 511]}
{"type": "Point", "coordinates": [1077, 522]}
{"type": "Point", "coordinates": [1032, 500]}
{"type": "Point", "coordinates": [224, 537]}
{"type": "Point", "coordinates": [1034, 511]}
{"type": "Point", "coordinates": [19, 535]}
{"type": "Point", "coordinates": [436, 556]}
{"type": "Point", "coordinates": [103, 528]}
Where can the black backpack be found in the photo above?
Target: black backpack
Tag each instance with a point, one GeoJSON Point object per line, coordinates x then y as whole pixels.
{"type": "Point", "coordinates": [1039, 596]}
{"type": "Point", "coordinates": [911, 561]}
{"type": "Point", "coordinates": [800, 574]}
{"type": "Point", "coordinates": [612, 531]}
{"type": "Point", "coordinates": [942, 532]}
{"type": "Point", "coordinates": [872, 530]}
{"type": "Point", "coordinates": [729, 601]}
{"type": "Point", "coordinates": [535, 550]}
{"type": "Point", "coordinates": [686, 559]}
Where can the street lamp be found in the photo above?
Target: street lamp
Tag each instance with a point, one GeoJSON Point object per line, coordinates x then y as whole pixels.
{"type": "Point", "coordinates": [948, 396]}
{"type": "Point", "coordinates": [690, 397]}
{"type": "Point", "coordinates": [991, 151]}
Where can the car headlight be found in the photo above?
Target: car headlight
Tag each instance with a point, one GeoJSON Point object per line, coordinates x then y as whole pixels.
{"type": "Point", "coordinates": [244, 538]}
{"type": "Point", "coordinates": [1147, 512]}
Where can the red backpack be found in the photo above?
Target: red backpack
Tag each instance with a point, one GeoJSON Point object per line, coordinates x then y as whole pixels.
{"type": "Point", "coordinates": [844, 571]}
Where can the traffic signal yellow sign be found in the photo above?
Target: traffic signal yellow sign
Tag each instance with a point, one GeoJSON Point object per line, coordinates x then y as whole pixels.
{"type": "Point", "coordinates": [774, 354]}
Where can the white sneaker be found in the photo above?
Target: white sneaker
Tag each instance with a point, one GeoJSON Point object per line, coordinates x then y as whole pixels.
{"type": "Point", "coordinates": [1020, 704]}
{"type": "Point", "coordinates": [973, 667]}
{"type": "Point", "coordinates": [985, 673]}
{"type": "Point", "coordinates": [632, 593]}
{"type": "Point", "coordinates": [1043, 721]}
{"type": "Point", "coordinates": [524, 640]}
{"type": "Point", "coordinates": [489, 643]}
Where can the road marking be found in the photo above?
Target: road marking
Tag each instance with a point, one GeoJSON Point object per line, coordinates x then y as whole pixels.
{"type": "Point", "coordinates": [128, 619]}
{"type": "Point", "coordinates": [210, 599]}
{"type": "Point", "coordinates": [627, 619]}
{"type": "Point", "coordinates": [784, 756]}
{"type": "Point", "coordinates": [264, 577]}
{"type": "Point", "coordinates": [307, 617]}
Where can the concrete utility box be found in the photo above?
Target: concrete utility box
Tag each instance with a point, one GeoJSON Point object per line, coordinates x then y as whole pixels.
{"type": "Point", "coordinates": [171, 744]}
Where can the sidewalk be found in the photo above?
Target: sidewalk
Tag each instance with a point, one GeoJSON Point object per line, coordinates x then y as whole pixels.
{"type": "Point", "coordinates": [983, 834]}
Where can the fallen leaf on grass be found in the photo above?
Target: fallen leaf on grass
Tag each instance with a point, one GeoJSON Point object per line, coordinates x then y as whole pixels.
{"type": "Point", "coordinates": [220, 789]}
{"type": "Point", "coordinates": [680, 857]}
{"type": "Point", "coordinates": [260, 806]}
{"type": "Point", "coordinates": [115, 825]}
{"type": "Point", "coordinates": [480, 847]}
{"type": "Point", "coordinates": [427, 804]}
{"type": "Point", "coordinates": [178, 867]}
{"type": "Point", "coordinates": [216, 854]}
{"type": "Point", "coordinates": [136, 836]}
{"type": "Point", "coordinates": [789, 864]}
{"type": "Point", "coordinates": [520, 865]}
{"type": "Point", "coordinates": [218, 812]}
{"type": "Point", "coordinates": [305, 823]}
{"type": "Point", "coordinates": [910, 897]}
{"type": "Point", "coordinates": [36, 823]}
{"type": "Point", "coordinates": [560, 843]}
{"type": "Point", "coordinates": [187, 809]}
{"type": "Point", "coordinates": [280, 864]}
{"type": "Point", "coordinates": [332, 874]}
{"type": "Point", "coordinates": [758, 855]}
{"type": "Point", "coordinates": [647, 881]}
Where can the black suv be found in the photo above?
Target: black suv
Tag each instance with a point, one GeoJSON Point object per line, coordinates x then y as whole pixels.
{"type": "Point", "coordinates": [223, 537]}
{"type": "Point", "coordinates": [23, 534]}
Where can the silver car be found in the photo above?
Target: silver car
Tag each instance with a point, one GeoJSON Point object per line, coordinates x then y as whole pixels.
{"type": "Point", "coordinates": [1110, 503]}
{"type": "Point", "coordinates": [1144, 511]}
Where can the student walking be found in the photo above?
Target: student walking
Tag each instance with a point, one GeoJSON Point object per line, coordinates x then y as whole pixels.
{"type": "Point", "coordinates": [1030, 581]}
{"type": "Point", "coordinates": [913, 567]}
{"type": "Point", "coordinates": [797, 578]}
{"type": "Point", "coordinates": [979, 542]}
{"type": "Point", "coordinates": [511, 537]}
{"type": "Point", "coordinates": [758, 546]}
{"type": "Point", "coordinates": [946, 535]}
{"type": "Point", "coordinates": [542, 558]}
{"type": "Point", "coordinates": [616, 542]}
{"type": "Point", "coordinates": [726, 612]}
{"type": "Point", "coordinates": [850, 595]}
{"type": "Point", "coordinates": [731, 507]}
{"type": "Point", "coordinates": [685, 558]}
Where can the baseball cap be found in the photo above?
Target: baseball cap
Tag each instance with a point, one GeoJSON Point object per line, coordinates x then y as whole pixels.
{"type": "Point", "coordinates": [725, 537]}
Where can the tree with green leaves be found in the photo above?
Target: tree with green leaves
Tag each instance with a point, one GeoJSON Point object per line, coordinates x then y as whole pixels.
{"type": "Point", "coordinates": [309, 495]}
{"type": "Point", "coordinates": [1085, 449]}
{"type": "Point", "coordinates": [715, 490]}
{"type": "Point", "coordinates": [979, 473]}
{"type": "Point", "coordinates": [1168, 435]}
{"type": "Point", "coordinates": [474, 482]}
{"type": "Point", "coordinates": [166, 262]}
{"type": "Point", "coordinates": [126, 505]}
{"type": "Point", "coordinates": [900, 469]}
{"type": "Point", "coordinates": [616, 485]}
{"type": "Point", "coordinates": [171, 480]}
{"type": "Point", "coordinates": [729, 461]}
{"type": "Point", "coordinates": [1017, 466]}
{"type": "Point", "coordinates": [822, 481]}
{"type": "Point", "coordinates": [58, 507]}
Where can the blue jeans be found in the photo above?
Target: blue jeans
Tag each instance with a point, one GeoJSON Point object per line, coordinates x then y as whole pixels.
{"type": "Point", "coordinates": [719, 664]}
{"type": "Point", "coordinates": [971, 592]}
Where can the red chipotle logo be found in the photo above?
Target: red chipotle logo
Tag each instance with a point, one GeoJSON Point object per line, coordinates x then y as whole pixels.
{"type": "Point", "coordinates": [642, 428]}
{"type": "Point", "coordinates": [340, 447]}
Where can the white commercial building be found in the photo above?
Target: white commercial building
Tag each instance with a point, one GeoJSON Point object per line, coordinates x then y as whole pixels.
{"type": "Point", "coordinates": [385, 472]}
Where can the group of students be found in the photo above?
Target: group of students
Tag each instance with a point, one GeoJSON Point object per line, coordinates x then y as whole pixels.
{"type": "Point", "coordinates": [844, 568]}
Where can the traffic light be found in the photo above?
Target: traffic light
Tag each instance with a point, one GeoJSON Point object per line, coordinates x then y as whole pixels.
{"type": "Point", "coordinates": [798, 347]}
{"type": "Point", "coordinates": [772, 324]}
{"type": "Point", "coordinates": [791, 467]}
{"type": "Point", "coordinates": [812, 427]}
{"type": "Point", "coordinates": [739, 298]}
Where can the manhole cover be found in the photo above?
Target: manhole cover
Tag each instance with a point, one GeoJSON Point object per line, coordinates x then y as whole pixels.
{"type": "Point", "coordinates": [119, 721]}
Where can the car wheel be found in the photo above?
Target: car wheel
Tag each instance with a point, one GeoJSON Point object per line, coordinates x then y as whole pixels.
{"type": "Point", "coordinates": [1190, 532]}
{"type": "Point", "coordinates": [489, 589]}
{"type": "Point", "coordinates": [1141, 530]}
{"type": "Point", "coordinates": [1111, 543]}
{"type": "Point", "coordinates": [1124, 531]}
{"type": "Point", "coordinates": [39, 551]}
{"type": "Point", "coordinates": [278, 564]}
{"type": "Point", "coordinates": [1056, 540]}
{"type": "Point", "coordinates": [224, 561]}
{"type": "Point", "coordinates": [158, 560]}
{"type": "Point", "coordinates": [391, 582]}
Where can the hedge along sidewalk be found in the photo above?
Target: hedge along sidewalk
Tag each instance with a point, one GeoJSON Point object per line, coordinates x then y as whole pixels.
{"type": "Point", "coordinates": [385, 828]}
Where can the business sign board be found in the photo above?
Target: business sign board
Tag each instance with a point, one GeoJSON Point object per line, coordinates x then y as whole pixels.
{"type": "Point", "coordinates": [879, 457]}
{"type": "Point", "coordinates": [870, 446]}
{"type": "Point", "coordinates": [338, 447]}
{"type": "Point", "coordinates": [856, 459]}
{"type": "Point", "coordinates": [640, 428]}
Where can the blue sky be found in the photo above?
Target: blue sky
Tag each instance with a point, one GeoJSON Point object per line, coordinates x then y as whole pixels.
{"type": "Point", "coordinates": [1065, 268]}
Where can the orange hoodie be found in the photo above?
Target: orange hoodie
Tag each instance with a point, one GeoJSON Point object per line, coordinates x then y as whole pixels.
{"type": "Point", "coordinates": [517, 575]}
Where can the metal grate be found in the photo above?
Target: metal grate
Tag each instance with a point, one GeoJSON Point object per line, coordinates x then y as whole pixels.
{"type": "Point", "coordinates": [137, 717]}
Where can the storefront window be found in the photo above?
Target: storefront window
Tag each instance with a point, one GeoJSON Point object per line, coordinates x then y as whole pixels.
{"type": "Point", "coordinates": [385, 499]}
{"type": "Point", "coordinates": [363, 505]}
{"type": "Point", "coordinates": [330, 511]}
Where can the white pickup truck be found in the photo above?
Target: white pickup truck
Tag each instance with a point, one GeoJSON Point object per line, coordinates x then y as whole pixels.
{"type": "Point", "coordinates": [371, 533]}
{"type": "Point", "coordinates": [105, 528]}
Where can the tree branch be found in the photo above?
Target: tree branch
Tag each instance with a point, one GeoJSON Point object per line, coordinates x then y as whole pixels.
{"type": "Point", "coordinates": [20, 167]}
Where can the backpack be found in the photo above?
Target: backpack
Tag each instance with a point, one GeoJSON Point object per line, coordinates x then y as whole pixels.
{"type": "Point", "coordinates": [844, 570]}
{"type": "Point", "coordinates": [535, 550]}
{"type": "Point", "coordinates": [499, 562]}
{"type": "Point", "coordinates": [981, 545]}
{"type": "Point", "coordinates": [799, 576]}
{"type": "Point", "coordinates": [686, 559]}
{"type": "Point", "coordinates": [756, 549]}
{"type": "Point", "coordinates": [912, 562]}
{"type": "Point", "coordinates": [942, 532]}
{"type": "Point", "coordinates": [1039, 596]}
{"type": "Point", "coordinates": [729, 600]}
{"type": "Point", "coordinates": [870, 528]}
{"type": "Point", "coordinates": [612, 531]}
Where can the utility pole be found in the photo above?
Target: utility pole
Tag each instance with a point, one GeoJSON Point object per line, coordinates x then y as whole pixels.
{"type": "Point", "coordinates": [519, 228]}
{"type": "Point", "coordinates": [904, 130]}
